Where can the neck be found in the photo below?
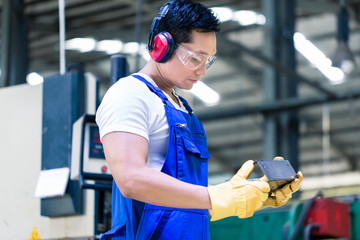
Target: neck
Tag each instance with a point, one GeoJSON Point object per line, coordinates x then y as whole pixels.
{"type": "Point", "coordinates": [152, 70]}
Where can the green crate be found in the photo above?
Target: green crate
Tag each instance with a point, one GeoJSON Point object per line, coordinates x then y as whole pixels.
{"type": "Point", "coordinates": [269, 224]}
{"type": "Point", "coordinates": [355, 220]}
{"type": "Point", "coordinates": [263, 225]}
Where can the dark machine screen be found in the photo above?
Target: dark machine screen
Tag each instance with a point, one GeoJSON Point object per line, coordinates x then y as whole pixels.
{"type": "Point", "coordinates": [95, 149]}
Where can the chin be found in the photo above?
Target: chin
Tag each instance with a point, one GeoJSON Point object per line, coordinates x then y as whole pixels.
{"type": "Point", "coordinates": [188, 87]}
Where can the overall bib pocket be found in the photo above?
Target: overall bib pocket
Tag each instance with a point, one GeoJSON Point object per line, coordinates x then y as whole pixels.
{"type": "Point", "coordinates": [192, 160]}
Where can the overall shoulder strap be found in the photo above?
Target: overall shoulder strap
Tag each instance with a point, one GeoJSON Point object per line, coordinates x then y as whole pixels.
{"type": "Point", "coordinates": [186, 104]}
{"type": "Point", "coordinates": [154, 89]}
{"type": "Point", "coordinates": [161, 95]}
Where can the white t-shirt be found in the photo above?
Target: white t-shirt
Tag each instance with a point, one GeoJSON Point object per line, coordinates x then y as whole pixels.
{"type": "Point", "coordinates": [130, 106]}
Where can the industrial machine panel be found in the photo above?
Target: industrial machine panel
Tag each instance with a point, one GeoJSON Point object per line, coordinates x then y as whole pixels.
{"type": "Point", "coordinates": [88, 162]}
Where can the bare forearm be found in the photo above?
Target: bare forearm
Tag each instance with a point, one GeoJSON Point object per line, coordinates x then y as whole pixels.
{"type": "Point", "coordinates": [151, 186]}
{"type": "Point", "coordinates": [126, 155]}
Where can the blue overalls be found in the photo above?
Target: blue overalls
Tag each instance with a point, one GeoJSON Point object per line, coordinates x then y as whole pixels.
{"type": "Point", "coordinates": [186, 160]}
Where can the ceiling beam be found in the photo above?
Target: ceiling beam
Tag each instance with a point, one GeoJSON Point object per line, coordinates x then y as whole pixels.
{"type": "Point", "coordinates": [289, 72]}
{"type": "Point", "coordinates": [278, 106]}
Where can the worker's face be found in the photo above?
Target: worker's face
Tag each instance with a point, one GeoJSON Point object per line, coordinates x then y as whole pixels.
{"type": "Point", "coordinates": [182, 75]}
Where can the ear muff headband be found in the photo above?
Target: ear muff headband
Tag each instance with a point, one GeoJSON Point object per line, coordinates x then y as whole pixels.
{"type": "Point", "coordinates": [155, 25]}
{"type": "Point", "coordinates": [160, 45]}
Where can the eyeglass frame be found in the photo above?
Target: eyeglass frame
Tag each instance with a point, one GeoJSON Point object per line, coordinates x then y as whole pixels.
{"type": "Point", "coordinates": [209, 61]}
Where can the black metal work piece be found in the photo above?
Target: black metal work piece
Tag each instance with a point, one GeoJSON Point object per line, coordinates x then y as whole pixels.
{"type": "Point", "coordinates": [278, 173]}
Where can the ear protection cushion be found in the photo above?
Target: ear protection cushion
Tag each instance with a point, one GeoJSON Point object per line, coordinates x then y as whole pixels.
{"type": "Point", "coordinates": [163, 47]}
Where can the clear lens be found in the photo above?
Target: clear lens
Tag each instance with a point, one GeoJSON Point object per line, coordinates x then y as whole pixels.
{"type": "Point", "coordinates": [210, 61]}
{"type": "Point", "coordinates": [192, 60]}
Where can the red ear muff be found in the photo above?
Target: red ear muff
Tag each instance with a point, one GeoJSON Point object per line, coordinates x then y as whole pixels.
{"type": "Point", "coordinates": [163, 47]}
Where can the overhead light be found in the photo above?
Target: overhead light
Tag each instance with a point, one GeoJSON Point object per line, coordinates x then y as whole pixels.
{"type": "Point", "coordinates": [109, 46]}
{"type": "Point", "coordinates": [131, 47]}
{"type": "Point", "coordinates": [81, 44]}
{"type": "Point", "coordinates": [145, 54]}
{"type": "Point", "coordinates": [343, 57]}
{"type": "Point", "coordinates": [34, 79]}
{"type": "Point", "coordinates": [205, 93]}
{"type": "Point", "coordinates": [245, 18]}
{"type": "Point", "coordinates": [223, 13]}
{"type": "Point", "coordinates": [260, 19]}
{"type": "Point", "coordinates": [318, 59]}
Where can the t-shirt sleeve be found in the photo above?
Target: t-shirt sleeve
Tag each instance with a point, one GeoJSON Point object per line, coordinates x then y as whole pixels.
{"type": "Point", "coordinates": [125, 108]}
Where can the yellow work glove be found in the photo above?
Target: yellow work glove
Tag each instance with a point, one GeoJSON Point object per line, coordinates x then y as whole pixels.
{"type": "Point", "coordinates": [281, 196]}
{"type": "Point", "coordinates": [238, 197]}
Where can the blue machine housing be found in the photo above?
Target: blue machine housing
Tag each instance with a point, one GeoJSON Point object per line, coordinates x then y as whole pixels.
{"type": "Point", "coordinates": [63, 104]}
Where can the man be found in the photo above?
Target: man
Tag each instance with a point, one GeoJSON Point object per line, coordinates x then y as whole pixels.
{"type": "Point", "coordinates": [155, 146]}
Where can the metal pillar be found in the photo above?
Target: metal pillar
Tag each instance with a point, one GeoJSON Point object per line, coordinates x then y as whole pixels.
{"type": "Point", "coordinates": [138, 30]}
{"type": "Point", "coordinates": [13, 43]}
{"type": "Point", "coordinates": [119, 68]}
{"type": "Point", "coordinates": [62, 37]}
{"type": "Point", "coordinates": [280, 129]}
{"type": "Point", "coordinates": [271, 32]}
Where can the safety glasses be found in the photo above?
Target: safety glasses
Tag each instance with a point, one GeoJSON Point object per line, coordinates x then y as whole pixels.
{"type": "Point", "coordinates": [192, 60]}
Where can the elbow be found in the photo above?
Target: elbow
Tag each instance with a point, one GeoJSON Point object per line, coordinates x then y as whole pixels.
{"type": "Point", "coordinates": [126, 190]}
{"type": "Point", "coordinates": [128, 187]}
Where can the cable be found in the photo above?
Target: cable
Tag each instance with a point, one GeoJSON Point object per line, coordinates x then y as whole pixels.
{"type": "Point", "coordinates": [308, 229]}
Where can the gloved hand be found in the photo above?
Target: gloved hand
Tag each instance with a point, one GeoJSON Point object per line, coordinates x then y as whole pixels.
{"type": "Point", "coordinates": [238, 197]}
{"type": "Point", "coordinates": [281, 196]}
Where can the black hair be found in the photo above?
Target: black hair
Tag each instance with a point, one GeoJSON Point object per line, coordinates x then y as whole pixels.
{"type": "Point", "coordinates": [184, 16]}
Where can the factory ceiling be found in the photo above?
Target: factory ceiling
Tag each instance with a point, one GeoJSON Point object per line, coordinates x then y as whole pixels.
{"type": "Point", "coordinates": [242, 75]}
